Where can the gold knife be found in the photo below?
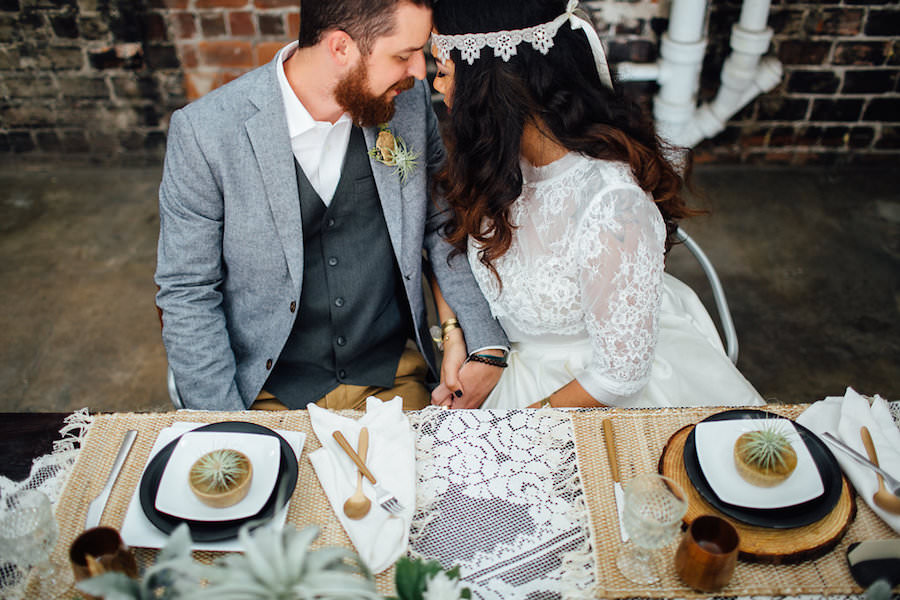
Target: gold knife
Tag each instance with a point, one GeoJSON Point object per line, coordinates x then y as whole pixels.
{"type": "Point", "coordinates": [609, 437]}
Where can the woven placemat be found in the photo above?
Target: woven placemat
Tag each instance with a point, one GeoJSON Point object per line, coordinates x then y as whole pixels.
{"type": "Point", "coordinates": [641, 436]}
{"type": "Point", "coordinates": [763, 544]}
{"type": "Point", "coordinates": [309, 505]}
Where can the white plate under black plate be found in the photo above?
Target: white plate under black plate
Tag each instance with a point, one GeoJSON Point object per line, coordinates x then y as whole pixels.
{"type": "Point", "coordinates": [210, 531]}
{"type": "Point", "coordinates": [798, 515]}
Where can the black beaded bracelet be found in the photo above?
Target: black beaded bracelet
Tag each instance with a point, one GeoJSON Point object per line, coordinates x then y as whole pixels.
{"type": "Point", "coordinates": [494, 361]}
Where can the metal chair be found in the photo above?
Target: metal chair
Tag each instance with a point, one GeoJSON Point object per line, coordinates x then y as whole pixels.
{"type": "Point", "coordinates": [731, 342]}
{"type": "Point", "coordinates": [174, 396]}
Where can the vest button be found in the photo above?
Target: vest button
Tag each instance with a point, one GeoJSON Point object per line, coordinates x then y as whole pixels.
{"type": "Point", "coordinates": [269, 364]}
{"type": "Point", "coordinates": [339, 302]}
{"type": "Point", "coordinates": [333, 261]}
{"type": "Point", "coordinates": [342, 374]}
{"type": "Point", "coordinates": [341, 341]}
{"type": "Point", "coordinates": [293, 306]}
{"type": "Point", "coordinates": [330, 223]}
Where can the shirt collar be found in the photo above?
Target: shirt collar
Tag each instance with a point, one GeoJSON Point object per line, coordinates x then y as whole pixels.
{"type": "Point", "coordinates": [299, 120]}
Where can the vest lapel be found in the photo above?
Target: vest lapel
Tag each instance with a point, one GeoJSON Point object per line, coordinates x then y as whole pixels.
{"type": "Point", "coordinates": [389, 194]}
{"type": "Point", "coordinates": [267, 130]}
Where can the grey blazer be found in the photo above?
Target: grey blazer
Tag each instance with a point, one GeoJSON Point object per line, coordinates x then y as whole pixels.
{"type": "Point", "coordinates": [230, 256]}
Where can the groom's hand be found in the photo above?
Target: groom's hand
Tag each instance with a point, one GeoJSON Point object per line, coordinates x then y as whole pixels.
{"type": "Point", "coordinates": [476, 382]}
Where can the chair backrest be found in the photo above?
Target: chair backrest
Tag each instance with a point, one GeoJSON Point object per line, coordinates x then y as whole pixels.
{"type": "Point", "coordinates": [731, 342]}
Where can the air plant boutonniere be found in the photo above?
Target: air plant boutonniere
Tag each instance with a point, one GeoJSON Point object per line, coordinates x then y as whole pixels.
{"type": "Point", "coordinates": [392, 151]}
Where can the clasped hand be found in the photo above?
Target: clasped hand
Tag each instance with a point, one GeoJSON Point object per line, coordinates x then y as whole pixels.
{"type": "Point", "coordinates": [463, 384]}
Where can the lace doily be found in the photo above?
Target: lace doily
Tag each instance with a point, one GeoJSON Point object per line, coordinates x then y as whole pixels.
{"type": "Point", "coordinates": [500, 496]}
{"type": "Point", "coordinates": [49, 474]}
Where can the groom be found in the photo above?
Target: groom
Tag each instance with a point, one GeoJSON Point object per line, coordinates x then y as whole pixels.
{"type": "Point", "coordinates": [290, 258]}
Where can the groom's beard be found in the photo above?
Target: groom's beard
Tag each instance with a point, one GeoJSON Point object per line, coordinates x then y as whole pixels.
{"type": "Point", "coordinates": [366, 110]}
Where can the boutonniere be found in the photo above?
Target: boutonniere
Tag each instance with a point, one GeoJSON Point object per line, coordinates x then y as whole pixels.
{"type": "Point", "coordinates": [392, 151]}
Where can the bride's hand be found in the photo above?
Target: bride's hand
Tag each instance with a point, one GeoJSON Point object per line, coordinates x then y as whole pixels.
{"type": "Point", "coordinates": [454, 357]}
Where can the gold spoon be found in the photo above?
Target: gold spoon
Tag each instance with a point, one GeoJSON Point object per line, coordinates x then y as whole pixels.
{"type": "Point", "coordinates": [883, 498]}
{"type": "Point", "coordinates": [358, 505]}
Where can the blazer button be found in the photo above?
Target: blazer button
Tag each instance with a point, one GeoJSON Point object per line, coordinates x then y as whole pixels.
{"type": "Point", "coordinates": [333, 261]}
{"type": "Point", "coordinates": [341, 341]}
{"type": "Point", "coordinates": [269, 364]}
{"type": "Point", "coordinates": [339, 302]}
{"type": "Point", "coordinates": [293, 306]}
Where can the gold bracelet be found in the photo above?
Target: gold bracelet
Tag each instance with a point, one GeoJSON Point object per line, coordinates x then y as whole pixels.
{"type": "Point", "coordinates": [448, 326]}
{"type": "Point", "coordinates": [545, 402]}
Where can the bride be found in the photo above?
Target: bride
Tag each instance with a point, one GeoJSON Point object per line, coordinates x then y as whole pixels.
{"type": "Point", "coordinates": [565, 206]}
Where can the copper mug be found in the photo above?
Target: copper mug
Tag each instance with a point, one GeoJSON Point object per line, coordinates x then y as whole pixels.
{"type": "Point", "coordinates": [101, 550]}
{"type": "Point", "coordinates": [707, 554]}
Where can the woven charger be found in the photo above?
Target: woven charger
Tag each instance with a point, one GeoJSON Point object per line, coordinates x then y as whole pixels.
{"type": "Point", "coordinates": [761, 544]}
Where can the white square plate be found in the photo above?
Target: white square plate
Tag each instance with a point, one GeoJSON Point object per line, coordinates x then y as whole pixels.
{"type": "Point", "coordinates": [715, 452]}
{"type": "Point", "coordinates": [174, 496]}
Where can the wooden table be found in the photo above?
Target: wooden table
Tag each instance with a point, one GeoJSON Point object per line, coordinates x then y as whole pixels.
{"type": "Point", "coordinates": [643, 435]}
{"type": "Point", "coordinates": [24, 437]}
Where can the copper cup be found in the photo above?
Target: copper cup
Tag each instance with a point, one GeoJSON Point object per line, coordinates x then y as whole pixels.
{"type": "Point", "coordinates": [101, 550]}
{"type": "Point", "coordinates": [707, 554]}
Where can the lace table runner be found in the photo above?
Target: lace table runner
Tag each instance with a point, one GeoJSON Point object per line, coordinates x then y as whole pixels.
{"type": "Point", "coordinates": [500, 496]}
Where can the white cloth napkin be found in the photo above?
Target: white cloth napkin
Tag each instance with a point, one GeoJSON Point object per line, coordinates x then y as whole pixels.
{"type": "Point", "coordinates": [843, 417]}
{"type": "Point", "coordinates": [379, 537]}
{"type": "Point", "coordinates": [138, 531]}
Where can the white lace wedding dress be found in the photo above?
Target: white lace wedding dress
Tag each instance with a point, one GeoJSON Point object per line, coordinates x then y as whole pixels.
{"type": "Point", "coordinates": [584, 297]}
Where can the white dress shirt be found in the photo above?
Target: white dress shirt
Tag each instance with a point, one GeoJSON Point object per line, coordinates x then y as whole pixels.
{"type": "Point", "coordinates": [319, 146]}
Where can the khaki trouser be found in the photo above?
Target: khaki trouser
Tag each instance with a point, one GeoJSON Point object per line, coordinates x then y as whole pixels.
{"type": "Point", "coordinates": [409, 384]}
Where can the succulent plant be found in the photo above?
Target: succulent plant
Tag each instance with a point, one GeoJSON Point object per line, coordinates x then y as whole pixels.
{"type": "Point", "coordinates": [161, 581]}
{"type": "Point", "coordinates": [278, 565]}
{"type": "Point", "coordinates": [418, 579]}
{"type": "Point", "coordinates": [767, 447]}
{"type": "Point", "coordinates": [218, 470]}
{"type": "Point", "coordinates": [275, 565]}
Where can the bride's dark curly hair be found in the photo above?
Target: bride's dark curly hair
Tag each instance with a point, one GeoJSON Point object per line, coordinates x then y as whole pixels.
{"type": "Point", "coordinates": [559, 92]}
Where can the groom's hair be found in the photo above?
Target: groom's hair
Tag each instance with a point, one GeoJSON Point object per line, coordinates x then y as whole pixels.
{"type": "Point", "coordinates": [363, 20]}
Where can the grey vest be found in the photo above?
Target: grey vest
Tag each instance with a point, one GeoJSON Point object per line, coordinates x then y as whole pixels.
{"type": "Point", "coordinates": [353, 320]}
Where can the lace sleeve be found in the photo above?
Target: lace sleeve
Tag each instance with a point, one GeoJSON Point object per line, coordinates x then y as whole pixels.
{"type": "Point", "coordinates": [620, 243]}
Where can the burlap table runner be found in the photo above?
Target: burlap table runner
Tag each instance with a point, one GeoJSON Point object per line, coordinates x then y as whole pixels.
{"type": "Point", "coordinates": [640, 438]}
{"type": "Point", "coordinates": [309, 505]}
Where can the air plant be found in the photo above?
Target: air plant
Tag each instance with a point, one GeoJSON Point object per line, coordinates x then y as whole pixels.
{"type": "Point", "coordinates": [768, 447]}
{"type": "Point", "coordinates": [219, 470]}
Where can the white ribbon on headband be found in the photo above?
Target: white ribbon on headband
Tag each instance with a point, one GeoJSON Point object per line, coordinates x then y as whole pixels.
{"type": "Point", "coordinates": [539, 36]}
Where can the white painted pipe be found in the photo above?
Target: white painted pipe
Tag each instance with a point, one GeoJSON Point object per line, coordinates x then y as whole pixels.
{"type": "Point", "coordinates": [686, 20]}
{"type": "Point", "coordinates": [630, 71]}
{"type": "Point", "coordinates": [682, 49]}
{"type": "Point", "coordinates": [744, 76]}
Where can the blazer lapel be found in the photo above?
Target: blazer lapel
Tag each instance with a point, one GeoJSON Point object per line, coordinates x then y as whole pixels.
{"type": "Point", "coordinates": [267, 130]}
{"type": "Point", "coordinates": [390, 193]}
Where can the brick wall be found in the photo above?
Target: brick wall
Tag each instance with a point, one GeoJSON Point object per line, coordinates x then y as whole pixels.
{"type": "Point", "coordinates": [83, 78]}
{"type": "Point", "coordinates": [99, 78]}
{"type": "Point", "coordinates": [839, 99]}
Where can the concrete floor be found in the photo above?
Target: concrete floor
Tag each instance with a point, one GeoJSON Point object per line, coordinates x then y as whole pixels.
{"type": "Point", "coordinates": [810, 259]}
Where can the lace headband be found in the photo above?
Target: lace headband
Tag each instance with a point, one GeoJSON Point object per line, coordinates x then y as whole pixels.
{"type": "Point", "coordinates": [540, 37]}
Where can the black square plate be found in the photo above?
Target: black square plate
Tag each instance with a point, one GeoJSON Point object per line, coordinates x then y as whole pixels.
{"type": "Point", "coordinates": [216, 531]}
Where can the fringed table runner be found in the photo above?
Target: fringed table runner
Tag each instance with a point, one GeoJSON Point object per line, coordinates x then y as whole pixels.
{"type": "Point", "coordinates": [641, 436]}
